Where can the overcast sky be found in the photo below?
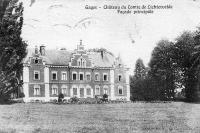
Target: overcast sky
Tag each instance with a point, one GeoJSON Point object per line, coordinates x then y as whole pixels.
{"type": "Point", "coordinates": [62, 23]}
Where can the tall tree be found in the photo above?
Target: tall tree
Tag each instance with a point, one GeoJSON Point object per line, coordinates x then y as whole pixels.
{"type": "Point", "coordinates": [12, 47]}
{"type": "Point", "coordinates": [162, 71]}
{"type": "Point", "coordinates": [140, 71]}
{"type": "Point", "coordinates": [3, 5]}
{"type": "Point", "coordinates": [183, 56]}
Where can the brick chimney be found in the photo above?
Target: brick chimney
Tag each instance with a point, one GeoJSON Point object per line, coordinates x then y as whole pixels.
{"type": "Point", "coordinates": [36, 50]}
{"type": "Point", "coordinates": [42, 50]}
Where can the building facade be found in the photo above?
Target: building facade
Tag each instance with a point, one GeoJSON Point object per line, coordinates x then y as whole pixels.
{"type": "Point", "coordinates": [80, 73]}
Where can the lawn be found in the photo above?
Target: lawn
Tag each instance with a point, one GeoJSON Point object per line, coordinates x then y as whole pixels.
{"type": "Point", "coordinates": [100, 118]}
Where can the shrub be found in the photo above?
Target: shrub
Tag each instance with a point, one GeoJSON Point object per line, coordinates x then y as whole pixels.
{"type": "Point", "coordinates": [98, 99]}
{"type": "Point", "coordinates": [60, 97]}
{"type": "Point", "coordinates": [74, 100]}
{"type": "Point", "coordinates": [21, 95]}
{"type": "Point", "coordinates": [105, 98]}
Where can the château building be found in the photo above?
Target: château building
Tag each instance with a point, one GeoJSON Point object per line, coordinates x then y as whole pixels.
{"type": "Point", "coordinates": [81, 73]}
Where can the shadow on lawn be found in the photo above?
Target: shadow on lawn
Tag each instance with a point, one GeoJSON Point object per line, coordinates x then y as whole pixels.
{"type": "Point", "coordinates": [10, 101]}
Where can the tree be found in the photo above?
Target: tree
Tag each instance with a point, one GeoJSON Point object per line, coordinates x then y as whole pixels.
{"type": "Point", "coordinates": [3, 5]}
{"type": "Point", "coordinates": [142, 86]}
{"type": "Point", "coordinates": [13, 49]}
{"type": "Point", "coordinates": [184, 58]}
{"type": "Point", "coordinates": [140, 71]}
{"type": "Point", "coordinates": [162, 69]}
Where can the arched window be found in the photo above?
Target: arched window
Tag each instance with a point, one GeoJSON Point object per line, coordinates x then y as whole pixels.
{"type": "Point", "coordinates": [81, 62]}
{"type": "Point", "coordinates": [97, 90]}
{"type": "Point", "coordinates": [88, 91]}
{"type": "Point", "coordinates": [54, 90]}
{"type": "Point", "coordinates": [36, 90]}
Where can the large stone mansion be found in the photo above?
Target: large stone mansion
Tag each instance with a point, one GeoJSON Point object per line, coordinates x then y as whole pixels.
{"type": "Point", "coordinates": [81, 73]}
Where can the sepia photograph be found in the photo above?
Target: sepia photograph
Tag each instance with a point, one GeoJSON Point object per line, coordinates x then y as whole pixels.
{"type": "Point", "coordinates": [91, 66]}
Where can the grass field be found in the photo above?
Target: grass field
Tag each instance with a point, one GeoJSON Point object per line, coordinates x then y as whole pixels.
{"type": "Point", "coordinates": [101, 118]}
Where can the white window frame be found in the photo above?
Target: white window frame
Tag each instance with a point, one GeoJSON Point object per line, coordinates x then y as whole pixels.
{"type": "Point", "coordinates": [62, 90]}
{"type": "Point", "coordinates": [63, 72]}
{"type": "Point", "coordinates": [76, 91]}
{"type": "Point", "coordinates": [118, 77]}
{"type": "Point", "coordinates": [73, 77]}
{"type": "Point", "coordinates": [98, 77]}
{"type": "Point", "coordinates": [80, 76]}
{"type": "Point", "coordinates": [106, 76]}
{"type": "Point", "coordinates": [104, 88]}
{"type": "Point", "coordinates": [120, 87]}
{"type": "Point", "coordinates": [54, 72]}
{"type": "Point", "coordinates": [97, 86]}
{"type": "Point", "coordinates": [53, 88]}
{"type": "Point", "coordinates": [36, 93]}
{"type": "Point", "coordinates": [88, 73]}
{"type": "Point", "coordinates": [81, 62]}
{"type": "Point", "coordinates": [38, 75]}
{"type": "Point", "coordinates": [87, 91]}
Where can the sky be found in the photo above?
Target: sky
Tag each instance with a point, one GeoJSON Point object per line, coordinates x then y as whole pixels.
{"type": "Point", "coordinates": [63, 23]}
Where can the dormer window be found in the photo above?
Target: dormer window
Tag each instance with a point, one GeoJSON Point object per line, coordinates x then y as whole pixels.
{"type": "Point", "coordinates": [81, 62]}
{"type": "Point", "coordinates": [36, 61]}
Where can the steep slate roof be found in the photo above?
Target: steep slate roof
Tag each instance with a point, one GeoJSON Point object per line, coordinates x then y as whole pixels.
{"type": "Point", "coordinates": [98, 61]}
{"type": "Point", "coordinates": [62, 57]}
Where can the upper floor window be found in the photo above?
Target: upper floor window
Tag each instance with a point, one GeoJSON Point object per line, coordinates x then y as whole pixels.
{"type": "Point", "coordinates": [105, 77]}
{"type": "Point", "coordinates": [120, 90]}
{"type": "Point", "coordinates": [75, 91]}
{"type": "Point", "coordinates": [54, 75]}
{"type": "Point", "coordinates": [36, 90]}
{"type": "Point", "coordinates": [81, 76]}
{"type": "Point", "coordinates": [119, 77]}
{"type": "Point", "coordinates": [88, 76]}
{"type": "Point", "coordinates": [74, 75]}
{"type": "Point", "coordinates": [64, 76]}
{"type": "Point", "coordinates": [81, 62]}
{"type": "Point", "coordinates": [96, 76]}
{"type": "Point", "coordinates": [36, 75]}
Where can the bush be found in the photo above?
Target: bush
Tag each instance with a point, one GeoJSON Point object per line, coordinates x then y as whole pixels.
{"type": "Point", "coordinates": [21, 95]}
{"type": "Point", "coordinates": [105, 98]}
{"type": "Point", "coordinates": [87, 100]}
{"type": "Point", "coordinates": [60, 97]}
{"type": "Point", "coordinates": [98, 99]}
{"type": "Point", "coordinates": [74, 100]}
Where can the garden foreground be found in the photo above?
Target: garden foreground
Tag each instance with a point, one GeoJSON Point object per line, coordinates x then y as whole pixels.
{"type": "Point", "coordinates": [100, 118]}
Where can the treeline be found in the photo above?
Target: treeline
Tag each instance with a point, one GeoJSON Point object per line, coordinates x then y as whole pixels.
{"type": "Point", "coordinates": [173, 71]}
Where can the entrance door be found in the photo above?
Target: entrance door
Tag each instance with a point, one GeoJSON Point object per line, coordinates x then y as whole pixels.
{"type": "Point", "coordinates": [81, 92]}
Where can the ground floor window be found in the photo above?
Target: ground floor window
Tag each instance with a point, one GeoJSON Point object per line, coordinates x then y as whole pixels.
{"type": "Point", "coordinates": [64, 91]}
{"type": "Point", "coordinates": [97, 90]}
{"type": "Point", "coordinates": [54, 90]}
{"type": "Point", "coordinates": [120, 90]}
{"type": "Point", "coordinates": [88, 91]}
{"type": "Point", "coordinates": [75, 91]}
{"type": "Point", "coordinates": [81, 92]}
{"type": "Point", "coordinates": [36, 90]}
{"type": "Point", "coordinates": [105, 90]}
